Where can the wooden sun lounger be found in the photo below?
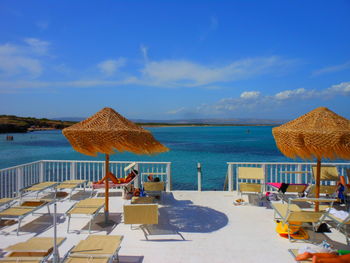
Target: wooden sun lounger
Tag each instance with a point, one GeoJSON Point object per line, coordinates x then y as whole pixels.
{"type": "Point", "coordinates": [21, 211]}
{"type": "Point", "coordinates": [90, 207]}
{"type": "Point", "coordinates": [141, 214]}
{"type": "Point", "coordinates": [6, 202]}
{"type": "Point", "coordinates": [95, 249]}
{"type": "Point", "coordinates": [38, 188]}
{"type": "Point", "coordinates": [253, 177]}
{"type": "Point", "coordinates": [36, 249]}
{"type": "Point", "coordinates": [72, 185]}
{"type": "Point", "coordinates": [290, 213]}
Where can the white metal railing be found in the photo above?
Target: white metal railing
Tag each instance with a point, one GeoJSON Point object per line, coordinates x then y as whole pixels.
{"type": "Point", "coordinates": [15, 178]}
{"type": "Point", "coordinates": [281, 172]}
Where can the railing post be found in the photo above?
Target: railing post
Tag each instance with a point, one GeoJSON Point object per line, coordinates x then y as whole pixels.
{"type": "Point", "coordinates": [265, 175]}
{"type": "Point", "coordinates": [73, 170]}
{"type": "Point", "coordinates": [199, 174]}
{"type": "Point", "coordinates": [168, 177]}
{"type": "Point", "coordinates": [41, 172]}
{"type": "Point", "coordinates": [299, 175]}
{"type": "Point", "coordinates": [230, 177]}
{"type": "Point", "coordinates": [19, 174]}
{"type": "Point", "coordinates": [137, 180]}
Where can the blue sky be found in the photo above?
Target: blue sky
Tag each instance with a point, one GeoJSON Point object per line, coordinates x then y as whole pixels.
{"type": "Point", "coordinates": [174, 59]}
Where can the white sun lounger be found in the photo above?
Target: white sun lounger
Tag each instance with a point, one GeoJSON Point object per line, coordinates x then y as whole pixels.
{"type": "Point", "coordinates": [72, 185]}
{"type": "Point", "coordinates": [291, 213]}
{"type": "Point", "coordinates": [95, 249]}
{"type": "Point", "coordinates": [25, 208]}
{"type": "Point", "coordinates": [37, 188]}
{"type": "Point", "coordinates": [89, 207]}
{"type": "Point", "coordinates": [34, 250]}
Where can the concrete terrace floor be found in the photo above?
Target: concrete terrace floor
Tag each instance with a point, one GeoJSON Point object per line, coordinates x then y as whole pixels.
{"type": "Point", "coordinates": [194, 227]}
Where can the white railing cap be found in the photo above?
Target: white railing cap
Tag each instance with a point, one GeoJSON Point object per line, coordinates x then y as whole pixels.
{"type": "Point", "coordinates": [130, 166]}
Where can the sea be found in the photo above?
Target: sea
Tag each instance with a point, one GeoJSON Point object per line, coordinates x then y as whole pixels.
{"type": "Point", "coordinates": [212, 147]}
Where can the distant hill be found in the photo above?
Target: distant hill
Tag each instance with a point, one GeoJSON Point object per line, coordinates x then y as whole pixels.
{"type": "Point", "coordinates": [210, 121]}
{"type": "Point", "coordinates": [72, 119]}
{"type": "Point", "coordinates": [213, 121]}
{"type": "Point", "coordinates": [11, 123]}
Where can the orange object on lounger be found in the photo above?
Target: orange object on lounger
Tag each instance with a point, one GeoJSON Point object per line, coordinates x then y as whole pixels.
{"type": "Point", "coordinates": [324, 257]}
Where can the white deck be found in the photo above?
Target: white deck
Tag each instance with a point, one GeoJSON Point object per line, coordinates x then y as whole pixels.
{"type": "Point", "coordinates": [213, 228]}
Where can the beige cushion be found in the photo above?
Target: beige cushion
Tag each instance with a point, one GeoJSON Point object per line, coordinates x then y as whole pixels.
{"type": "Point", "coordinates": [153, 186]}
{"type": "Point", "coordinates": [328, 173]}
{"type": "Point", "coordinates": [141, 214]}
{"type": "Point", "coordinates": [251, 173]}
{"type": "Point", "coordinates": [247, 187]}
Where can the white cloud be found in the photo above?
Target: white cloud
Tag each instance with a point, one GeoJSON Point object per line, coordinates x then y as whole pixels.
{"type": "Point", "coordinates": [37, 46]}
{"type": "Point", "coordinates": [177, 73]}
{"type": "Point", "coordinates": [251, 101]}
{"type": "Point", "coordinates": [15, 61]}
{"type": "Point", "coordinates": [342, 88]}
{"type": "Point", "coordinates": [109, 67]}
{"type": "Point", "coordinates": [213, 25]}
{"type": "Point", "coordinates": [332, 69]}
{"type": "Point", "coordinates": [177, 111]}
{"type": "Point", "coordinates": [144, 51]}
{"type": "Point", "coordinates": [250, 95]}
{"type": "Point", "coordinates": [288, 94]}
{"type": "Point", "coordinates": [8, 49]}
{"type": "Point", "coordinates": [23, 60]}
{"type": "Point", "coordinates": [43, 25]}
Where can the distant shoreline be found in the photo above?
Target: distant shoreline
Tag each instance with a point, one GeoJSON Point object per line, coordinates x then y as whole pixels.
{"type": "Point", "coordinates": [15, 124]}
{"type": "Point", "coordinates": [203, 125]}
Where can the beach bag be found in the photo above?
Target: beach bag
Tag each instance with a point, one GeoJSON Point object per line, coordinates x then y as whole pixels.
{"type": "Point", "coordinates": [323, 228]}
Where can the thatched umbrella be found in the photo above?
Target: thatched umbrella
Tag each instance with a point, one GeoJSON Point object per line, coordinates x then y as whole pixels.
{"type": "Point", "coordinates": [321, 133]}
{"type": "Point", "coordinates": [107, 131]}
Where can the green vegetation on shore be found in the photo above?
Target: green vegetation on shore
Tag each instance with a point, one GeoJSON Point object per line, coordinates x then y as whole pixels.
{"type": "Point", "coordinates": [11, 123]}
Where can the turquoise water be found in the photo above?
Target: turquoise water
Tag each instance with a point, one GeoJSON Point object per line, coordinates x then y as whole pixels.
{"type": "Point", "coordinates": [211, 146]}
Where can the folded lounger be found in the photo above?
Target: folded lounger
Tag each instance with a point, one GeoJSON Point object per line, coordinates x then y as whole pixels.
{"type": "Point", "coordinates": [72, 185]}
{"type": "Point", "coordinates": [36, 249]}
{"type": "Point", "coordinates": [253, 177]}
{"type": "Point", "coordinates": [291, 214]}
{"type": "Point", "coordinates": [89, 207]}
{"type": "Point", "coordinates": [95, 249]}
{"type": "Point", "coordinates": [38, 188]}
{"type": "Point", "coordinates": [283, 188]}
{"type": "Point", "coordinates": [25, 208]}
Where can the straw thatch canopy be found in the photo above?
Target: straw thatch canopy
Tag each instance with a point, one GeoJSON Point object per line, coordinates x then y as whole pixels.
{"type": "Point", "coordinates": [321, 133]}
{"type": "Point", "coordinates": [107, 131]}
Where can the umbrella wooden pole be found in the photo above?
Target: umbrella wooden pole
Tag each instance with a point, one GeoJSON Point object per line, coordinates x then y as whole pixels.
{"type": "Point", "coordinates": [318, 179]}
{"type": "Point", "coordinates": [106, 189]}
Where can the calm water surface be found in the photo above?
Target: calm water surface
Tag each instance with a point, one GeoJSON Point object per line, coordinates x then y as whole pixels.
{"type": "Point", "coordinates": [211, 146]}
